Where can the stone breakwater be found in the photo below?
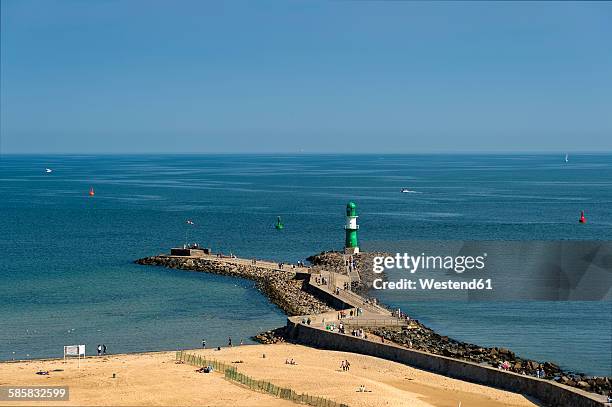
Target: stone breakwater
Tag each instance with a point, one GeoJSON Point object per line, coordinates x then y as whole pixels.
{"type": "Point", "coordinates": [282, 288]}
{"type": "Point", "coordinates": [421, 338]}
{"type": "Point", "coordinates": [277, 335]}
{"type": "Point", "coordinates": [335, 261]}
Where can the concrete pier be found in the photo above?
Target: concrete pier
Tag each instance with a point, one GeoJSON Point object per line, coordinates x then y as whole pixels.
{"type": "Point", "coordinates": [326, 287]}
{"type": "Point", "coordinates": [319, 300]}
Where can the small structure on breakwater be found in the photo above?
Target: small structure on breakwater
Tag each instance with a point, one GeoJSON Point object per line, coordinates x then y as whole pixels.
{"type": "Point", "coordinates": [189, 251]}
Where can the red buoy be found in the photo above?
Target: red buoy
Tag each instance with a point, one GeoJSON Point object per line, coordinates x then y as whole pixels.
{"type": "Point", "coordinates": [91, 192]}
{"type": "Point", "coordinates": [582, 218]}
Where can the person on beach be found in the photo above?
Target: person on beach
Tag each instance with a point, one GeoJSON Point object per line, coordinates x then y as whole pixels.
{"type": "Point", "coordinates": [342, 366]}
{"type": "Point", "coordinates": [103, 349]}
{"type": "Point", "coordinates": [203, 344]}
{"type": "Point", "coordinates": [229, 341]}
{"type": "Point", "coordinates": [99, 348]}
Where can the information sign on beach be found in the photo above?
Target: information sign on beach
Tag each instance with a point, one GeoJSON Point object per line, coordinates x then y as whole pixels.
{"type": "Point", "coordinates": [74, 350]}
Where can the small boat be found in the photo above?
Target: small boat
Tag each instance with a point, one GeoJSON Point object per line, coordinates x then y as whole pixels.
{"type": "Point", "coordinates": [91, 192]}
{"type": "Point", "coordinates": [566, 157]}
{"type": "Point", "coordinates": [279, 224]}
{"type": "Point", "coordinates": [405, 191]}
{"type": "Point", "coordinates": [48, 170]}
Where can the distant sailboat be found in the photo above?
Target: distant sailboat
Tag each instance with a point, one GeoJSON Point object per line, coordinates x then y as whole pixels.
{"type": "Point", "coordinates": [91, 192]}
{"type": "Point", "coordinates": [566, 157]}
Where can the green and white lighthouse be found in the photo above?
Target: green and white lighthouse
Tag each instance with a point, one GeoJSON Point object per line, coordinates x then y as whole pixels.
{"type": "Point", "coordinates": [351, 245]}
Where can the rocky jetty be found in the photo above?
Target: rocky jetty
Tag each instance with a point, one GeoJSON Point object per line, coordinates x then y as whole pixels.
{"type": "Point", "coordinates": [270, 337]}
{"type": "Point", "coordinates": [421, 338]}
{"type": "Point", "coordinates": [335, 261]}
{"type": "Point", "coordinates": [282, 288]}
{"type": "Point", "coordinates": [330, 261]}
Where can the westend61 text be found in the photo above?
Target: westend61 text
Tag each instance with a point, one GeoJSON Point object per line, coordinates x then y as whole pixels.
{"type": "Point", "coordinates": [433, 284]}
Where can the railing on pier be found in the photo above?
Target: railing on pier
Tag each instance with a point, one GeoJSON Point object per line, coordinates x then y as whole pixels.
{"type": "Point", "coordinates": [361, 303]}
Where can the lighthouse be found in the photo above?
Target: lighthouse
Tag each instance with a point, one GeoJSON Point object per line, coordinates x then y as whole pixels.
{"type": "Point", "coordinates": [350, 245]}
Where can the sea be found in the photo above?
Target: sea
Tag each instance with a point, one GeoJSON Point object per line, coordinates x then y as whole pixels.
{"type": "Point", "coordinates": [66, 258]}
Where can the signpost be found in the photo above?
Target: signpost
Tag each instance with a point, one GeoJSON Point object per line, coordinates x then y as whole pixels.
{"type": "Point", "coordinates": [74, 350]}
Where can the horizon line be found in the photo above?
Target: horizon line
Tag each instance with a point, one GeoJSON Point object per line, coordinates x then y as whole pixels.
{"type": "Point", "coordinates": [279, 153]}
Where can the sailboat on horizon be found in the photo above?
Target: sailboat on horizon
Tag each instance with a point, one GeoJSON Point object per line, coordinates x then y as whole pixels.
{"type": "Point", "coordinates": [566, 157]}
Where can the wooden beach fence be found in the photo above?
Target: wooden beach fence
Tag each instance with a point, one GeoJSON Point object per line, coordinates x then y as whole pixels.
{"type": "Point", "coordinates": [232, 374]}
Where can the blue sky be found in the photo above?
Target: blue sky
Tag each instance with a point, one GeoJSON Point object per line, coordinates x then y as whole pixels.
{"type": "Point", "coordinates": [348, 77]}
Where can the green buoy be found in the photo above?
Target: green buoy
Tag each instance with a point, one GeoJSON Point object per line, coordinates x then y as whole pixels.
{"type": "Point", "coordinates": [279, 224]}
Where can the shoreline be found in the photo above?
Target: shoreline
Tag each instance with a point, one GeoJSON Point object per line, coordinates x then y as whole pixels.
{"type": "Point", "coordinates": [146, 377]}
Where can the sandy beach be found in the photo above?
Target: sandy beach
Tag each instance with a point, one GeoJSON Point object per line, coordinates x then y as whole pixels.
{"type": "Point", "coordinates": [155, 379]}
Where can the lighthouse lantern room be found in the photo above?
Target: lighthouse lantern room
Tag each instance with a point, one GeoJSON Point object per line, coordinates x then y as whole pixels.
{"type": "Point", "coordinates": [351, 245]}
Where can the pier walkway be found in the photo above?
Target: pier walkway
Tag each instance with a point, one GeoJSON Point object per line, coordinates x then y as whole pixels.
{"type": "Point", "coordinates": [326, 283]}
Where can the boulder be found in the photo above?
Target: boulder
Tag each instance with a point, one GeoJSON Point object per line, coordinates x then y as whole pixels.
{"type": "Point", "coordinates": [583, 385]}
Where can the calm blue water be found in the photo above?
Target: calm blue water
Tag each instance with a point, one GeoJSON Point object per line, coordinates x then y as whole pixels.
{"type": "Point", "coordinates": [66, 275]}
